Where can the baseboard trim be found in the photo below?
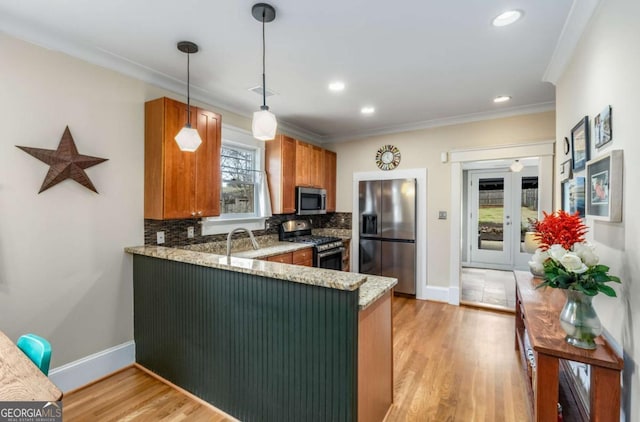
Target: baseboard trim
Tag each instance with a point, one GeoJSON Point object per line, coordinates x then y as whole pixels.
{"type": "Point", "coordinates": [437, 294]}
{"type": "Point", "coordinates": [93, 367]}
{"type": "Point", "coordinates": [454, 295]}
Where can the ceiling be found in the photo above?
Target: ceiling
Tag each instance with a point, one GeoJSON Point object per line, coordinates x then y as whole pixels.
{"type": "Point", "coordinates": [419, 63]}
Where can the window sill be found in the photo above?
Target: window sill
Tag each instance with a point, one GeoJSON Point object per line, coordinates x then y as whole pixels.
{"type": "Point", "coordinates": [218, 225]}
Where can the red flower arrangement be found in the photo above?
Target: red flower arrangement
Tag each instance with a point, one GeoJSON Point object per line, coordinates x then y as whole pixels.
{"type": "Point", "coordinates": [559, 228]}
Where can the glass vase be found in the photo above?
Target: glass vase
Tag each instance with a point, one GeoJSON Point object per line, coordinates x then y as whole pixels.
{"type": "Point", "coordinates": [579, 320]}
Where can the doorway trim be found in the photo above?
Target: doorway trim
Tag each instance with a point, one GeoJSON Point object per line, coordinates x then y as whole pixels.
{"type": "Point", "coordinates": [420, 174]}
{"type": "Point", "coordinates": [543, 150]}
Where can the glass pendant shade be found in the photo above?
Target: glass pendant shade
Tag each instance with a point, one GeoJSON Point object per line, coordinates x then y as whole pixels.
{"type": "Point", "coordinates": [516, 167]}
{"type": "Point", "coordinates": [264, 125]}
{"type": "Point", "coordinates": [188, 139]}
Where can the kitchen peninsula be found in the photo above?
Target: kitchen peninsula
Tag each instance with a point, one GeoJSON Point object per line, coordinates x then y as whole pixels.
{"type": "Point", "coordinates": [262, 340]}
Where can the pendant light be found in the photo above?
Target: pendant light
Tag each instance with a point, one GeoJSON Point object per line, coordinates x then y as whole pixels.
{"type": "Point", "coordinates": [188, 138]}
{"type": "Point", "coordinates": [516, 166]}
{"type": "Point", "coordinates": [264, 123]}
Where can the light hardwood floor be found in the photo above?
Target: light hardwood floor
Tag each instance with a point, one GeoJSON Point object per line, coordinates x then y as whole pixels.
{"type": "Point", "coordinates": [450, 364]}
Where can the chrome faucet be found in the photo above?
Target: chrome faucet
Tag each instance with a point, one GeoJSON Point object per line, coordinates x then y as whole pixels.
{"type": "Point", "coordinates": [238, 230]}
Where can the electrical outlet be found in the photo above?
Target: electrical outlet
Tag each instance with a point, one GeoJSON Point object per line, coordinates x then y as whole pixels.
{"type": "Point", "coordinates": [190, 232]}
{"type": "Point", "coordinates": [159, 238]}
{"type": "Point", "coordinates": [442, 215]}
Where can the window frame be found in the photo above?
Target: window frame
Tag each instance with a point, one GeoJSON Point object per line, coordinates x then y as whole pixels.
{"type": "Point", "coordinates": [233, 136]}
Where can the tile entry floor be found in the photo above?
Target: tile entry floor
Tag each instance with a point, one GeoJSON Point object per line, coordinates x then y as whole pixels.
{"type": "Point", "coordinates": [488, 287]}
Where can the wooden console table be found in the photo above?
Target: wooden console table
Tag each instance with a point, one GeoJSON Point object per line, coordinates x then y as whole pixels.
{"type": "Point", "coordinates": [539, 312]}
{"type": "Point", "coordinates": [20, 379]}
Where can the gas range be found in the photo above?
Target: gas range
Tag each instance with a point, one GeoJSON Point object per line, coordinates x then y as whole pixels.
{"type": "Point", "coordinates": [321, 243]}
{"type": "Point", "coordinates": [327, 250]}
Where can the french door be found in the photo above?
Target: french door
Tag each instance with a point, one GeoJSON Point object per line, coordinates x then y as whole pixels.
{"type": "Point", "coordinates": [500, 204]}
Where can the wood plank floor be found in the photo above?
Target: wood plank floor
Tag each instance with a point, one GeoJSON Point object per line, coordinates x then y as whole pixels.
{"type": "Point", "coordinates": [134, 395]}
{"type": "Point", "coordinates": [450, 364]}
{"type": "Point", "coordinates": [455, 364]}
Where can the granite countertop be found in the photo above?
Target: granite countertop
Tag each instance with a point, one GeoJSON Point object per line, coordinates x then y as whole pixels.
{"type": "Point", "coordinates": [295, 273]}
{"type": "Point", "coordinates": [243, 249]}
{"type": "Point", "coordinates": [371, 287]}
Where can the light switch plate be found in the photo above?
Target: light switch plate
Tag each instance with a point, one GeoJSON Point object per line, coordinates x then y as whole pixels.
{"type": "Point", "coordinates": [442, 215]}
{"type": "Point", "coordinates": [190, 232]}
{"type": "Point", "coordinates": [159, 238]}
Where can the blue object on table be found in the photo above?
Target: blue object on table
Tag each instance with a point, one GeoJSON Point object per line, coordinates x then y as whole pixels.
{"type": "Point", "coordinates": [37, 349]}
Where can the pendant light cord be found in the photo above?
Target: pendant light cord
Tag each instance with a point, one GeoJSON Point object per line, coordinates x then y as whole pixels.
{"type": "Point", "coordinates": [264, 84]}
{"type": "Point", "coordinates": [188, 91]}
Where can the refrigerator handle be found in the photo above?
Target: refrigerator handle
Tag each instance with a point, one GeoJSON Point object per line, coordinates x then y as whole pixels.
{"type": "Point", "coordinates": [370, 224]}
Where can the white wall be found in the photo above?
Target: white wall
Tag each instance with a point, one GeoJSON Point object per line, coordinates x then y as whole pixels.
{"type": "Point", "coordinates": [63, 272]}
{"type": "Point", "coordinates": [422, 149]}
{"type": "Point", "coordinates": [604, 70]}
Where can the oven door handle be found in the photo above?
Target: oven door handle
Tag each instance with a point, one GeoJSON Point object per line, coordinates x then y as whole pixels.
{"type": "Point", "coordinates": [329, 253]}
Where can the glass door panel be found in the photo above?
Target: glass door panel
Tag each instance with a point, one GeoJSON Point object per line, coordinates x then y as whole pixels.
{"type": "Point", "coordinates": [490, 216]}
{"type": "Point", "coordinates": [528, 205]}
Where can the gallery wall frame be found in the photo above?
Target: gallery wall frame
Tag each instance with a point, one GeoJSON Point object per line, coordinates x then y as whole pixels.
{"type": "Point", "coordinates": [580, 143]}
{"type": "Point", "coordinates": [565, 171]}
{"type": "Point", "coordinates": [604, 187]}
{"type": "Point", "coordinates": [573, 196]}
{"type": "Point", "coordinates": [602, 131]}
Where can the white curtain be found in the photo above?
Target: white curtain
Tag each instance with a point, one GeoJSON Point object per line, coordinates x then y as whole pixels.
{"type": "Point", "coordinates": [264, 201]}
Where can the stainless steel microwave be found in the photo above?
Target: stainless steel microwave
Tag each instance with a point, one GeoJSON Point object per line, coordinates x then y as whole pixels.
{"type": "Point", "coordinates": [311, 201]}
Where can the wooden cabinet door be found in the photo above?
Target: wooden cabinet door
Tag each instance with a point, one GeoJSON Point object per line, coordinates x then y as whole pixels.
{"type": "Point", "coordinates": [179, 166]}
{"type": "Point", "coordinates": [303, 257]}
{"type": "Point", "coordinates": [207, 157]}
{"type": "Point", "coordinates": [303, 164]}
{"type": "Point", "coordinates": [288, 175]}
{"type": "Point", "coordinates": [280, 156]}
{"type": "Point", "coordinates": [285, 258]}
{"type": "Point", "coordinates": [317, 167]}
{"type": "Point", "coordinates": [330, 161]}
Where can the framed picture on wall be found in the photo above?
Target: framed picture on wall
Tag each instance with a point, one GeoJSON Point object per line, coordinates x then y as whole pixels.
{"type": "Point", "coordinates": [565, 190]}
{"type": "Point", "coordinates": [576, 196]}
{"type": "Point", "coordinates": [604, 183]}
{"type": "Point", "coordinates": [580, 144]}
{"type": "Point", "coordinates": [573, 196]}
{"type": "Point", "coordinates": [565, 171]}
{"type": "Point", "coordinates": [602, 128]}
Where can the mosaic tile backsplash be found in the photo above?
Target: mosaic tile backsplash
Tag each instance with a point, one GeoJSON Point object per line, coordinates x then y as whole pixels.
{"type": "Point", "coordinates": [175, 231]}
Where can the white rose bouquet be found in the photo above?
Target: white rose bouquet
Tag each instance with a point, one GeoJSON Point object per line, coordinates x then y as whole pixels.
{"type": "Point", "coordinates": [567, 261]}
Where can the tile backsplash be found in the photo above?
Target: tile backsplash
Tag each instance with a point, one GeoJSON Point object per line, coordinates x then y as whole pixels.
{"type": "Point", "coordinates": [175, 231]}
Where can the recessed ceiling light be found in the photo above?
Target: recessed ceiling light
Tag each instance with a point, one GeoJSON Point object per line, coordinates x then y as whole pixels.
{"type": "Point", "coordinates": [501, 99]}
{"type": "Point", "coordinates": [507, 18]}
{"type": "Point", "coordinates": [367, 110]}
{"type": "Point", "coordinates": [336, 86]}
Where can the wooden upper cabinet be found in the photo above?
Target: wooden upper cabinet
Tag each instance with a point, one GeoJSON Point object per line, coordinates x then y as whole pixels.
{"type": "Point", "coordinates": [330, 168]}
{"type": "Point", "coordinates": [207, 197]}
{"type": "Point", "coordinates": [317, 167]}
{"type": "Point", "coordinates": [309, 165]}
{"type": "Point", "coordinates": [292, 163]}
{"type": "Point", "coordinates": [303, 164]}
{"type": "Point", "coordinates": [280, 157]}
{"type": "Point", "coordinates": [180, 184]}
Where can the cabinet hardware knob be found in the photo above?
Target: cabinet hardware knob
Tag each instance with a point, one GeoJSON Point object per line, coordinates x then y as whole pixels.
{"type": "Point", "coordinates": [193, 213]}
{"type": "Point", "coordinates": [199, 212]}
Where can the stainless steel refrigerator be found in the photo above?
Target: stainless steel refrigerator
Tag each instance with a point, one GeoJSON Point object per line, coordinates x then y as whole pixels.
{"type": "Point", "coordinates": [387, 214]}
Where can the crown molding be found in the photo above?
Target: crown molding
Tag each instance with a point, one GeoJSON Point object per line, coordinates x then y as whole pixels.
{"type": "Point", "coordinates": [448, 121]}
{"type": "Point", "coordinates": [577, 21]}
{"type": "Point", "coordinates": [103, 58]}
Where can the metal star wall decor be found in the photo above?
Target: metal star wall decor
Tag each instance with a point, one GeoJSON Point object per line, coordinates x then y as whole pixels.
{"type": "Point", "coordinates": [65, 163]}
